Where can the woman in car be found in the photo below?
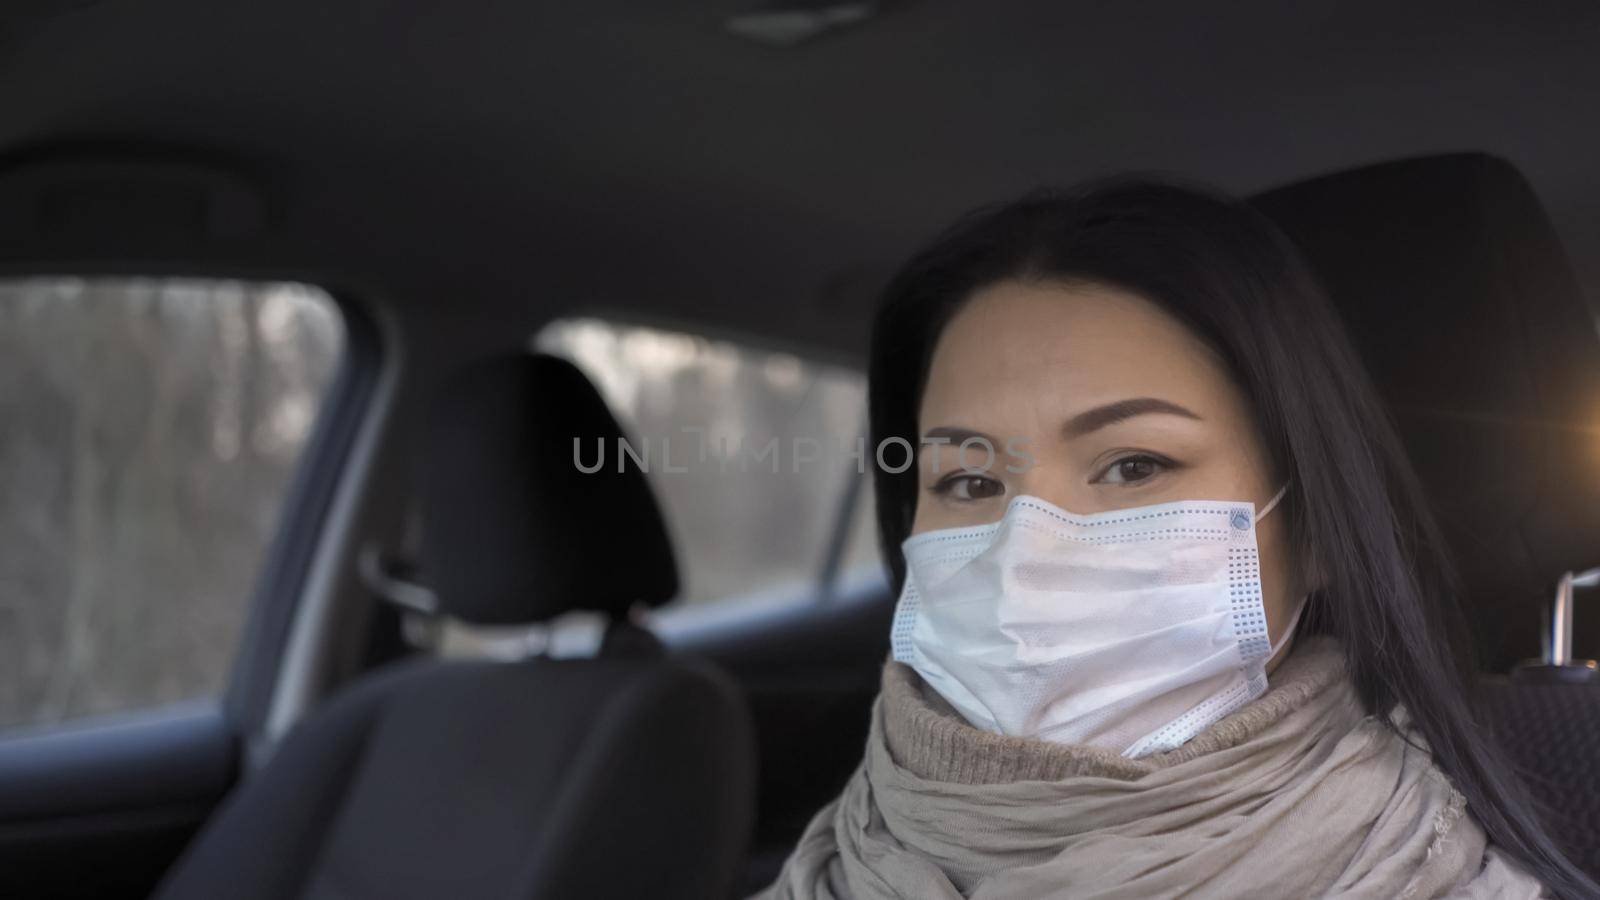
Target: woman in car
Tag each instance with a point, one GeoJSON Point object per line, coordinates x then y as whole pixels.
{"type": "Point", "coordinates": [1174, 619]}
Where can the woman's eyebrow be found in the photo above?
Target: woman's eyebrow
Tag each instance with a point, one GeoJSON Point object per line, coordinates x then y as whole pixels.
{"type": "Point", "coordinates": [1122, 410]}
{"type": "Point", "coordinates": [956, 436]}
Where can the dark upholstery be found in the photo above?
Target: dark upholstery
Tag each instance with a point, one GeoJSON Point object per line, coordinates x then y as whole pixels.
{"type": "Point", "coordinates": [523, 534]}
{"type": "Point", "coordinates": [1458, 294]}
{"type": "Point", "coordinates": [1460, 298]}
{"type": "Point", "coordinates": [628, 775]}
{"type": "Point", "coordinates": [546, 779]}
{"type": "Point", "coordinates": [1552, 733]}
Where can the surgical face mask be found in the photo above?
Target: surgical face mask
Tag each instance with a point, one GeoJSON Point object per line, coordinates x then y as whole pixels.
{"type": "Point", "coordinates": [1132, 630]}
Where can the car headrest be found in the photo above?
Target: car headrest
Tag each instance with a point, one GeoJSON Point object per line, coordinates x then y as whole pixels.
{"type": "Point", "coordinates": [513, 530]}
{"type": "Point", "coordinates": [1460, 298]}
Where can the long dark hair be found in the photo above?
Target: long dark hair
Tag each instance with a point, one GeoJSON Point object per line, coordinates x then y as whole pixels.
{"type": "Point", "coordinates": [1355, 508]}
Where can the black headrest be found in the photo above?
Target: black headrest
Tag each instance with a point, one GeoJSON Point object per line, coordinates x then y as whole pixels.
{"type": "Point", "coordinates": [514, 531]}
{"type": "Point", "coordinates": [1459, 296]}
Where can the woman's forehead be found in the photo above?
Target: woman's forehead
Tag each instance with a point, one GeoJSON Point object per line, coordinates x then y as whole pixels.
{"type": "Point", "coordinates": [1037, 351]}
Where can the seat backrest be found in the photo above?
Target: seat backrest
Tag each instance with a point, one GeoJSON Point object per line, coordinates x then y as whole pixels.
{"type": "Point", "coordinates": [542, 779]}
{"type": "Point", "coordinates": [1460, 298]}
{"type": "Point", "coordinates": [627, 775]}
{"type": "Point", "coordinates": [1552, 734]}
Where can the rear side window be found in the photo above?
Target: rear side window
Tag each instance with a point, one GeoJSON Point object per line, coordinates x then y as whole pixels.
{"type": "Point", "coordinates": [151, 430]}
{"type": "Point", "coordinates": [753, 454]}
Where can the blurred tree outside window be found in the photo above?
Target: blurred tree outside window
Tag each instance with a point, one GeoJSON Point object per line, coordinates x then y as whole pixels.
{"type": "Point", "coordinates": [150, 431]}
{"type": "Point", "coordinates": [756, 514]}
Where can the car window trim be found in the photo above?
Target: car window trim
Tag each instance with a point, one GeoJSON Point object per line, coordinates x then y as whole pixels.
{"type": "Point", "coordinates": [302, 521]}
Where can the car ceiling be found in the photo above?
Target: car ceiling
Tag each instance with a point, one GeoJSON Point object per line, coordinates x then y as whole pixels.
{"type": "Point", "coordinates": [487, 159]}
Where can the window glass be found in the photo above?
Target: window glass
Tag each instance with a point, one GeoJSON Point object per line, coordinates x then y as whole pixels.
{"type": "Point", "coordinates": [151, 428]}
{"type": "Point", "coordinates": [749, 450]}
{"type": "Point", "coordinates": [862, 559]}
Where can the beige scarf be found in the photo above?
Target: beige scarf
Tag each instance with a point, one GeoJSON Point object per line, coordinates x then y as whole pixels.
{"type": "Point", "coordinates": [1298, 794]}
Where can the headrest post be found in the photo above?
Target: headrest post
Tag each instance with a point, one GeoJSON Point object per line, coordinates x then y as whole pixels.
{"type": "Point", "coordinates": [1559, 651]}
{"type": "Point", "coordinates": [1561, 624]}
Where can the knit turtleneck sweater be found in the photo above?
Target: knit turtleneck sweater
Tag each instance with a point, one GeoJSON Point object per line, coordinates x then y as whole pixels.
{"type": "Point", "coordinates": [1299, 793]}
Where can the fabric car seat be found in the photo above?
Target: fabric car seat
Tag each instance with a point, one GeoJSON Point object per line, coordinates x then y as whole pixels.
{"type": "Point", "coordinates": [629, 774]}
{"type": "Point", "coordinates": [1458, 293]}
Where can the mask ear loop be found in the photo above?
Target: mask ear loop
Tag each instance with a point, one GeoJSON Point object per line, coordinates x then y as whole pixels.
{"type": "Point", "coordinates": [1273, 503]}
{"type": "Point", "coordinates": [1294, 620]}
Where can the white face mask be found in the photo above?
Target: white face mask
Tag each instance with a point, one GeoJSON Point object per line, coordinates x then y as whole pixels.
{"type": "Point", "coordinates": [1132, 630]}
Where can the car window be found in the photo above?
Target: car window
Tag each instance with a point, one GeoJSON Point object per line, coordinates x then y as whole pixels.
{"type": "Point", "coordinates": [751, 452]}
{"type": "Point", "coordinates": [151, 428]}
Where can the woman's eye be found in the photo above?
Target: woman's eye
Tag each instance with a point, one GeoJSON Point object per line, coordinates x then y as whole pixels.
{"type": "Point", "coordinates": [1131, 469]}
{"type": "Point", "coordinates": [970, 487]}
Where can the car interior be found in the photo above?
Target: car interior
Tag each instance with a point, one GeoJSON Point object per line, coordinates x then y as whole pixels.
{"type": "Point", "coordinates": [458, 666]}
